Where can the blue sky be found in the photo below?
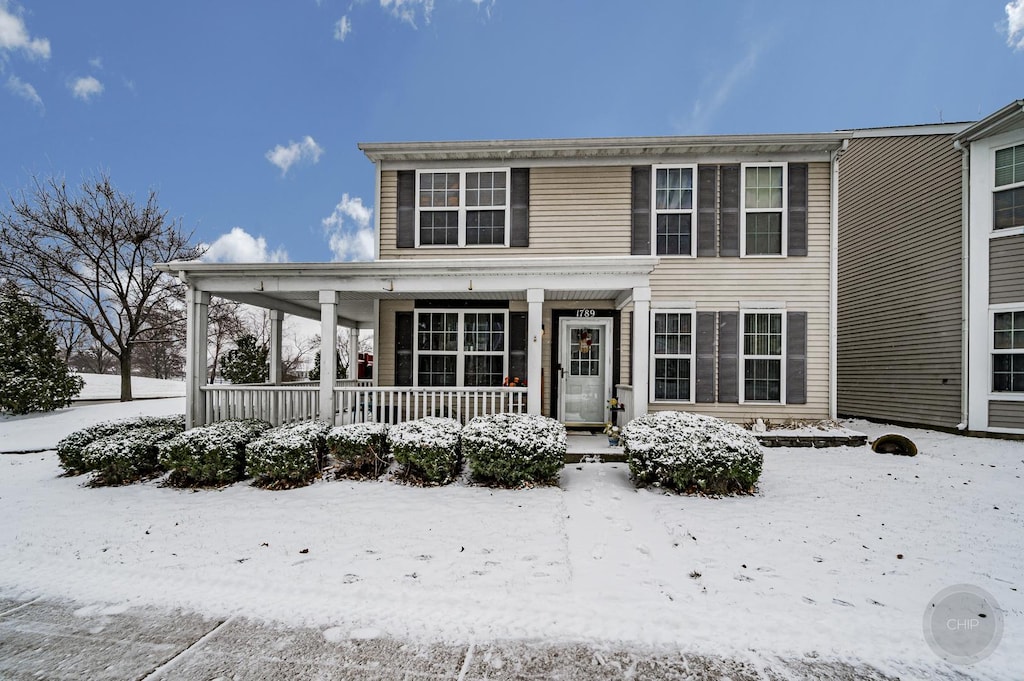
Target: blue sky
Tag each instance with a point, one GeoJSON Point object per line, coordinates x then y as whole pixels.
{"type": "Point", "coordinates": [245, 115]}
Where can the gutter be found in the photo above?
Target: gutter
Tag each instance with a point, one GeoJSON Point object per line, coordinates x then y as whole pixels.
{"type": "Point", "coordinates": [965, 285]}
{"type": "Point", "coordinates": [833, 285]}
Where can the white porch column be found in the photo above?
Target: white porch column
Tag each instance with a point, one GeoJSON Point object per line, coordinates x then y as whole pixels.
{"type": "Point", "coordinates": [641, 349]}
{"type": "Point", "coordinates": [276, 318]}
{"type": "Point", "coordinates": [328, 352]}
{"type": "Point", "coordinates": [197, 304]}
{"type": "Point", "coordinates": [535, 339]}
{"type": "Point", "coordinates": [353, 353]}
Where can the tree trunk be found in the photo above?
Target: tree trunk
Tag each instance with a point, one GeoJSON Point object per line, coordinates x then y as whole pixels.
{"type": "Point", "coordinates": [126, 375]}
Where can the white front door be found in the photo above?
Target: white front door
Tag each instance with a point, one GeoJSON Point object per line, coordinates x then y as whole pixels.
{"type": "Point", "coordinates": [585, 374]}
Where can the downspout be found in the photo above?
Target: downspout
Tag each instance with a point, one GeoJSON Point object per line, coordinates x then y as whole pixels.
{"type": "Point", "coordinates": [833, 284]}
{"type": "Point", "coordinates": [965, 263]}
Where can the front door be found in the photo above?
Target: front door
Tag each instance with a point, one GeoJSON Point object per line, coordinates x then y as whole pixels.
{"type": "Point", "coordinates": [585, 373]}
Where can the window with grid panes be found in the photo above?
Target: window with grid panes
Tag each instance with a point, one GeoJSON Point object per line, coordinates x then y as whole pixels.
{"type": "Point", "coordinates": [463, 208]}
{"type": "Point", "coordinates": [673, 356]}
{"type": "Point", "coordinates": [762, 356]}
{"type": "Point", "coordinates": [1008, 203]}
{"type": "Point", "coordinates": [460, 348]}
{"type": "Point", "coordinates": [763, 209]}
{"type": "Point", "coordinates": [1008, 352]}
{"type": "Point", "coordinates": [673, 210]}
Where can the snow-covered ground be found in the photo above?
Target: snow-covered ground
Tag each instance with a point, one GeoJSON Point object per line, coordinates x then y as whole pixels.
{"type": "Point", "coordinates": [108, 387]}
{"type": "Point", "coordinates": [837, 556]}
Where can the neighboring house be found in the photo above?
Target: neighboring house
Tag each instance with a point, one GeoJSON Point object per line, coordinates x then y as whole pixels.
{"type": "Point", "coordinates": [931, 274]}
{"type": "Point", "coordinates": [547, 276]}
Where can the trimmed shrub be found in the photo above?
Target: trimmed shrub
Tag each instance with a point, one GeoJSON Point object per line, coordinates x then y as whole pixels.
{"type": "Point", "coordinates": [288, 456]}
{"type": "Point", "coordinates": [209, 455]}
{"type": "Point", "coordinates": [692, 453]}
{"type": "Point", "coordinates": [360, 449]}
{"type": "Point", "coordinates": [427, 448]}
{"type": "Point", "coordinates": [509, 450]}
{"type": "Point", "coordinates": [70, 449]}
{"type": "Point", "coordinates": [126, 456]}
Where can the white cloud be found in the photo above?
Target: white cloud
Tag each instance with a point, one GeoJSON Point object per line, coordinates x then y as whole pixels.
{"type": "Point", "coordinates": [240, 246]}
{"type": "Point", "coordinates": [342, 28]}
{"type": "Point", "coordinates": [1015, 24]}
{"type": "Point", "coordinates": [285, 157]}
{"type": "Point", "coordinates": [14, 36]}
{"type": "Point", "coordinates": [407, 10]}
{"type": "Point", "coordinates": [86, 88]}
{"type": "Point", "coordinates": [349, 230]}
{"type": "Point", "coordinates": [24, 90]}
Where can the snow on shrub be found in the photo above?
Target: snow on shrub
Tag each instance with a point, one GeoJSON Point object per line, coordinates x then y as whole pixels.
{"type": "Point", "coordinates": [288, 456]}
{"type": "Point", "coordinates": [427, 448]}
{"type": "Point", "coordinates": [126, 456]}
{"type": "Point", "coordinates": [509, 450]}
{"type": "Point", "coordinates": [69, 450]}
{"type": "Point", "coordinates": [692, 453]}
{"type": "Point", "coordinates": [209, 455]}
{"type": "Point", "coordinates": [361, 449]}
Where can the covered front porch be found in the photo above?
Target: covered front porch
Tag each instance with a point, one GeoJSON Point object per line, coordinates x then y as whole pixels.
{"type": "Point", "coordinates": [525, 292]}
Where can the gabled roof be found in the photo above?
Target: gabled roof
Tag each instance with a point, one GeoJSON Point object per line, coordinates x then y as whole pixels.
{"type": "Point", "coordinates": [1010, 117]}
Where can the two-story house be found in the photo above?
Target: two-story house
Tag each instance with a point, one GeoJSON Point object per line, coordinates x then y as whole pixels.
{"type": "Point", "coordinates": [548, 276]}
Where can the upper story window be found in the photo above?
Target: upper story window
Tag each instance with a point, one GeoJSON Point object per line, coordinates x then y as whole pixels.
{"type": "Point", "coordinates": [763, 208]}
{"type": "Point", "coordinates": [462, 208]}
{"type": "Point", "coordinates": [674, 199]}
{"type": "Point", "coordinates": [1008, 200]}
{"type": "Point", "coordinates": [763, 353]}
{"type": "Point", "coordinates": [1008, 352]}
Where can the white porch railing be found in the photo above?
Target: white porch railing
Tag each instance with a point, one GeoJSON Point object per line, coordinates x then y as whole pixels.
{"type": "Point", "coordinates": [278, 404]}
{"type": "Point", "coordinates": [624, 393]}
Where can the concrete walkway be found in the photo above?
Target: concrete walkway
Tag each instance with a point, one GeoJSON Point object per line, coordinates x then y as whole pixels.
{"type": "Point", "coordinates": [50, 640]}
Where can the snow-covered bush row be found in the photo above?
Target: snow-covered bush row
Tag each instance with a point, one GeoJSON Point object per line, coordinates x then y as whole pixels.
{"type": "Point", "coordinates": [69, 450]}
{"type": "Point", "coordinates": [361, 449]}
{"type": "Point", "coordinates": [126, 456]}
{"type": "Point", "coordinates": [692, 453]}
{"type": "Point", "coordinates": [210, 455]}
{"type": "Point", "coordinates": [288, 456]}
{"type": "Point", "coordinates": [509, 450]}
{"type": "Point", "coordinates": [427, 448]}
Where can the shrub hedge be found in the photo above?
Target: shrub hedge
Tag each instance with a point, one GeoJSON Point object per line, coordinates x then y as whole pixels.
{"type": "Point", "coordinates": [209, 455]}
{"type": "Point", "coordinates": [126, 456]}
{"type": "Point", "coordinates": [509, 450]}
{"type": "Point", "coordinates": [361, 449]}
{"type": "Point", "coordinates": [70, 449]}
{"type": "Point", "coordinates": [288, 456]}
{"type": "Point", "coordinates": [427, 448]}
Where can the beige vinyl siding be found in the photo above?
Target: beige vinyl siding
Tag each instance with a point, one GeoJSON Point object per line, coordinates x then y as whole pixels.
{"type": "Point", "coordinates": [1006, 270]}
{"type": "Point", "coordinates": [573, 211]}
{"type": "Point", "coordinates": [1006, 414]}
{"type": "Point", "coordinates": [799, 283]}
{"type": "Point", "coordinates": [900, 286]}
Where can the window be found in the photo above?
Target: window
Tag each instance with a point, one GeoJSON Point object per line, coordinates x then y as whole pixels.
{"type": "Point", "coordinates": [460, 348]}
{"type": "Point", "coordinates": [462, 208]}
{"type": "Point", "coordinates": [673, 210]}
{"type": "Point", "coordinates": [764, 210]}
{"type": "Point", "coordinates": [762, 356]}
{"type": "Point", "coordinates": [672, 368]}
{"type": "Point", "coordinates": [1008, 352]}
{"type": "Point", "coordinates": [1008, 204]}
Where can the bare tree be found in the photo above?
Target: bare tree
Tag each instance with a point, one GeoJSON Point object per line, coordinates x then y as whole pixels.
{"type": "Point", "coordinates": [225, 324]}
{"type": "Point", "coordinates": [89, 257]}
{"type": "Point", "coordinates": [93, 358]}
{"type": "Point", "coordinates": [71, 336]}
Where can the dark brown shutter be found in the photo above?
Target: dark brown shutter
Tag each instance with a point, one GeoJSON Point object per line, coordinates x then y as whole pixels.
{"type": "Point", "coordinates": [728, 356]}
{"type": "Point", "coordinates": [406, 209]}
{"type": "Point", "coordinates": [730, 220]}
{"type": "Point", "coordinates": [404, 340]}
{"type": "Point", "coordinates": [796, 358]}
{"type": "Point", "coordinates": [707, 199]}
{"type": "Point", "coordinates": [705, 357]}
{"type": "Point", "coordinates": [520, 196]}
{"type": "Point", "coordinates": [641, 242]}
{"type": "Point", "coordinates": [797, 231]}
{"type": "Point", "coordinates": [517, 355]}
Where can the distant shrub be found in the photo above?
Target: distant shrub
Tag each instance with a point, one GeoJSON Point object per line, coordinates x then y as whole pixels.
{"type": "Point", "coordinates": [510, 450]}
{"type": "Point", "coordinates": [209, 455]}
{"type": "Point", "coordinates": [288, 456]}
{"type": "Point", "coordinates": [126, 456]}
{"type": "Point", "coordinates": [427, 448]}
{"type": "Point", "coordinates": [361, 449]}
{"type": "Point", "coordinates": [692, 453]}
{"type": "Point", "coordinates": [70, 449]}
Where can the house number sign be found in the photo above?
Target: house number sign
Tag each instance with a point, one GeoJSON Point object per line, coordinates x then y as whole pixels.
{"type": "Point", "coordinates": [586, 313]}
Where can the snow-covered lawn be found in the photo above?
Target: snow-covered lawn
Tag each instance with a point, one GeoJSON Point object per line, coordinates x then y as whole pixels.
{"type": "Point", "coordinates": [811, 565]}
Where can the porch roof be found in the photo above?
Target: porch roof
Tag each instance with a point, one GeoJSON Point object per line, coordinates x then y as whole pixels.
{"type": "Point", "coordinates": [294, 288]}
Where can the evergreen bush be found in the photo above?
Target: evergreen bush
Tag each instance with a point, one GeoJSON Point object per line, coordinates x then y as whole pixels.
{"type": "Point", "coordinates": [209, 455]}
{"type": "Point", "coordinates": [361, 449]}
{"type": "Point", "coordinates": [126, 456]}
{"type": "Point", "coordinates": [427, 448]}
{"type": "Point", "coordinates": [509, 450]}
{"type": "Point", "coordinates": [247, 362]}
{"type": "Point", "coordinates": [70, 450]}
{"type": "Point", "coordinates": [288, 456]}
{"type": "Point", "coordinates": [692, 453]}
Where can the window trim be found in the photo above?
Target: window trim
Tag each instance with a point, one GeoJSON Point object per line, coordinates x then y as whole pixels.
{"type": "Point", "coordinates": [1007, 396]}
{"type": "Point", "coordinates": [463, 209]}
{"type": "Point", "coordinates": [784, 210]}
{"type": "Point", "coordinates": [655, 212]}
{"type": "Point", "coordinates": [743, 356]}
{"type": "Point", "coordinates": [460, 351]}
{"type": "Point", "coordinates": [692, 356]}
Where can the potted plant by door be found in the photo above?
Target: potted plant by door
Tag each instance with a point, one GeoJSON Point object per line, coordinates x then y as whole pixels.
{"type": "Point", "coordinates": [612, 431]}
